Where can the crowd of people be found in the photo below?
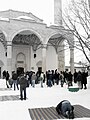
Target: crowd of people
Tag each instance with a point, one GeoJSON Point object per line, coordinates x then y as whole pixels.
{"type": "Point", "coordinates": [50, 78]}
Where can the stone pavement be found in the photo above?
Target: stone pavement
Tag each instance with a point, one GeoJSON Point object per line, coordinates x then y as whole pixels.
{"type": "Point", "coordinates": [8, 97]}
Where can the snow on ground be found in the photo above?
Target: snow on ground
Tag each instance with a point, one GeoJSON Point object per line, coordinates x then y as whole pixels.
{"type": "Point", "coordinates": [40, 97]}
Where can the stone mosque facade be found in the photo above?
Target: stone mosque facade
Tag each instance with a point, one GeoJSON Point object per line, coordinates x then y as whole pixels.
{"type": "Point", "coordinates": [26, 43]}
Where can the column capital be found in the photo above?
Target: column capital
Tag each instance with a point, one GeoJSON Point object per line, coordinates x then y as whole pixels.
{"type": "Point", "coordinates": [9, 43]}
{"type": "Point", "coordinates": [71, 47]}
{"type": "Point", "coordinates": [44, 46]}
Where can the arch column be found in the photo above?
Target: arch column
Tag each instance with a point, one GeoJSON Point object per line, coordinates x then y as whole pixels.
{"type": "Point", "coordinates": [44, 47]}
{"type": "Point", "coordinates": [69, 36]}
{"type": "Point", "coordinates": [72, 60]}
{"type": "Point", "coordinates": [9, 57]}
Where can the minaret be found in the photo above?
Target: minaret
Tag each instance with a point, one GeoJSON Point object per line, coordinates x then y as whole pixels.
{"type": "Point", "coordinates": [89, 3]}
{"type": "Point", "coordinates": [58, 12]}
{"type": "Point", "coordinates": [58, 22]}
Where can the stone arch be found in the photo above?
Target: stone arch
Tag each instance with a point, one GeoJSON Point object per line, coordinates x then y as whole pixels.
{"type": "Point", "coordinates": [27, 37]}
{"type": "Point", "coordinates": [56, 39]}
{"type": "Point", "coordinates": [52, 34]}
{"type": "Point", "coordinates": [27, 29]}
{"type": "Point", "coordinates": [68, 36]}
{"type": "Point", "coordinates": [3, 31]}
{"type": "Point", "coordinates": [3, 39]}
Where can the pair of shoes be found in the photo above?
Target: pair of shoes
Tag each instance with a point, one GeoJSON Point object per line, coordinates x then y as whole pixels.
{"type": "Point", "coordinates": [21, 98]}
{"type": "Point", "coordinates": [85, 88]}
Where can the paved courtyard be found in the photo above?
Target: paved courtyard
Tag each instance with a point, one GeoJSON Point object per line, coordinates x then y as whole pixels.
{"type": "Point", "coordinates": [12, 108]}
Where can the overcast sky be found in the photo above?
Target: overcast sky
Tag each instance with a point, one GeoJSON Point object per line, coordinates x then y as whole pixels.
{"type": "Point", "coordinates": [43, 9]}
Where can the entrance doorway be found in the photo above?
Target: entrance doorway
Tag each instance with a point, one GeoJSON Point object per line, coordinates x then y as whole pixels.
{"type": "Point", "coordinates": [20, 70]}
{"type": "Point", "coordinates": [40, 69]}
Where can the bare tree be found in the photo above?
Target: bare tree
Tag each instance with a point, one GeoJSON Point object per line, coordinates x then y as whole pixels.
{"type": "Point", "coordinates": [77, 20]}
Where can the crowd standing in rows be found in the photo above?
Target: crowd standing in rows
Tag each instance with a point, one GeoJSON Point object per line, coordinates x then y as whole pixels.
{"type": "Point", "coordinates": [50, 78]}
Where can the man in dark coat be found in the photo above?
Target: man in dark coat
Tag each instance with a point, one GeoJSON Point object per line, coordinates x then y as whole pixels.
{"type": "Point", "coordinates": [79, 79]}
{"type": "Point", "coordinates": [75, 76]}
{"type": "Point", "coordinates": [84, 80]}
{"type": "Point", "coordinates": [70, 79]}
{"type": "Point", "coordinates": [7, 79]}
{"type": "Point", "coordinates": [14, 77]}
{"type": "Point", "coordinates": [66, 109]}
{"type": "Point", "coordinates": [4, 74]}
{"type": "Point", "coordinates": [23, 85]}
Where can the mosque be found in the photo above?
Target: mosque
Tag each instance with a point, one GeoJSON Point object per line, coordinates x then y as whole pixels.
{"type": "Point", "coordinates": [26, 43]}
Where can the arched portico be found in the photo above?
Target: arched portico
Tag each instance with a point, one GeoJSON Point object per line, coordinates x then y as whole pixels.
{"type": "Point", "coordinates": [3, 53]}
{"type": "Point", "coordinates": [36, 45]}
{"type": "Point", "coordinates": [56, 40]}
{"type": "Point", "coordinates": [27, 43]}
{"type": "Point", "coordinates": [26, 31]}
